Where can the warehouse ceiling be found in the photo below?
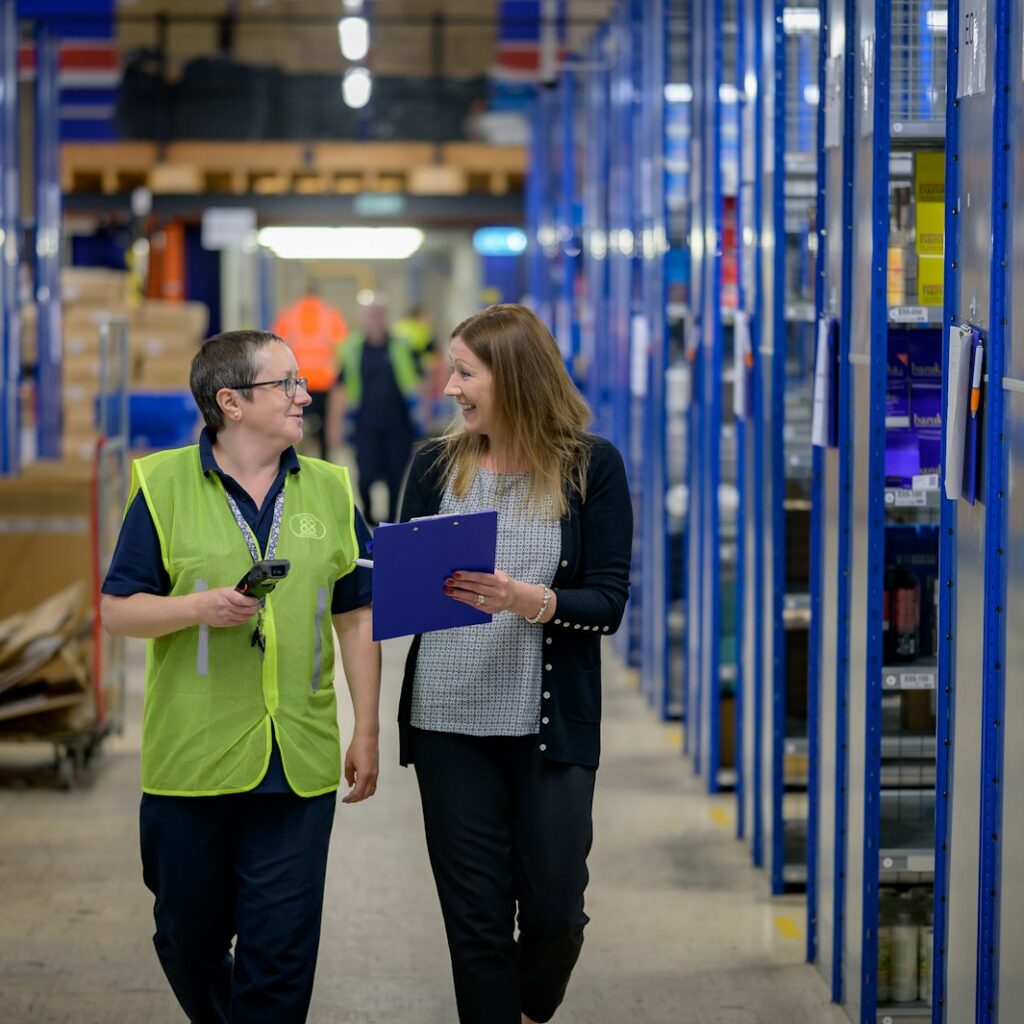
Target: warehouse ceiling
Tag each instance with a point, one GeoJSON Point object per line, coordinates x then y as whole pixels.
{"type": "Point", "coordinates": [300, 35]}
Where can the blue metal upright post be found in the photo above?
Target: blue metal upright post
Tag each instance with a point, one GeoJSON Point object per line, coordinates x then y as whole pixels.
{"type": "Point", "coordinates": [47, 247]}
{"type": "Point", "coordinates": [10, 199]}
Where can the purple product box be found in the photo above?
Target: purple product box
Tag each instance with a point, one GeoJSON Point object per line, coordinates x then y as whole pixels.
{"type": "Point", "coordinates": [926, 407]}
{"type": "Point", "coordinates": [925, 358]}
{"type": "Point", "coordinates": [897, 365]}
{"type": "Point", "coordinates": [897, 404]}
{"type": "Point", "coordinates": [929, 446]}
{"type": "Point", "coordinates": [902, 458]}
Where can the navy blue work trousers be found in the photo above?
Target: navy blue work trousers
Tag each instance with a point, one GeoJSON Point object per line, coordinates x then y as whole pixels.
{"type": "Point", "coordinates": [506, 829]}
{"type": "Point", "coordinates": [250, 865]}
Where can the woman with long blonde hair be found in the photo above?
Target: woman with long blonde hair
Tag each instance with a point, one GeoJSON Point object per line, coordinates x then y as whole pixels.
{"type": "Point", "coordinates": [502, 720]}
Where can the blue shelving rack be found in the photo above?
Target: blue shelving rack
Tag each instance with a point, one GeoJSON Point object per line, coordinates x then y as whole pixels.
{"type": "Point", "coordinates": [828, 661]}
{"type": "Point", "coordinates": [678, 100]}
{"type": "Point", "coordinates": [10, 192]}
{"type": "Point", "coordinates": [794, 203]}
{"type": "Point", "coordinates": [892, 504]}
{"type": "Point", "coordinates": [979, 921]}
{"type": "Point", "coordinates": [49, 426]}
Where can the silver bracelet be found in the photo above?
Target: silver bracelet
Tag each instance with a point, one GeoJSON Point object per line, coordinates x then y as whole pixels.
{"type": "Point", "coordinates": [543, 608]}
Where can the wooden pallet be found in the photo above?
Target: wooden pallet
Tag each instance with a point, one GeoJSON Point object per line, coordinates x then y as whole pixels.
{"type": "Point", "coordinates": [277, 168]}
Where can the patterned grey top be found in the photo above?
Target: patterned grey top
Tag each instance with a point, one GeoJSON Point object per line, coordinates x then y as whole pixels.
{"type": "Point", "coordinates": [486, 680]}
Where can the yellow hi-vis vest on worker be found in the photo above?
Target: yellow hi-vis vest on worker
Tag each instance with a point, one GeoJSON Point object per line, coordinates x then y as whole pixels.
{"type": "Point", "coordinates": [211, 703]}
{"type": "Point", "coordinates": [402, 364]}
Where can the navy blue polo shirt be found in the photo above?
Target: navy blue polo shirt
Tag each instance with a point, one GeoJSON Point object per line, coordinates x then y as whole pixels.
{"type": "Point", "coordinates": [137, 565]}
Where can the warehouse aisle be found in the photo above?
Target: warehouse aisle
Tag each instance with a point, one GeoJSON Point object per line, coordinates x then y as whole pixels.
{"type": "Point", "coordinates": [681, 930]}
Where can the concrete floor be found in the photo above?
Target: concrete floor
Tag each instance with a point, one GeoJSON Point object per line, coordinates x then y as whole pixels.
{"type": "Point", "coordinates": [682, 931]}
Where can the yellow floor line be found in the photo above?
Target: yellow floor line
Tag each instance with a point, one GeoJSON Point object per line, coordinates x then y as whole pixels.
{"type": "Point", "coordinates": [720, 816]}
{"type": "Point", "coordinates": [788, 928]}
{"type": "Point", "coordinates": [675, 736]}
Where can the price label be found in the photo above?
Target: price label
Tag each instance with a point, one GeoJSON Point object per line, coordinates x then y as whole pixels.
{"type": "Point", "coordinates": [909, 314]}
{"type": "Point", "coordinates": [917, 681]}
{"type": "Point", "coordinates": [973, 30]}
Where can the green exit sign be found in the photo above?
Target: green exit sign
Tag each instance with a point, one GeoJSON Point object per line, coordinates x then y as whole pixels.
{"type": "Point", "coordinates": [379, 204]}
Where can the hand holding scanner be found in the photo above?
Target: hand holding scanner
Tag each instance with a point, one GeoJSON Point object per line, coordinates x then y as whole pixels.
{"type": "Point", "coordinates": [264, 575]}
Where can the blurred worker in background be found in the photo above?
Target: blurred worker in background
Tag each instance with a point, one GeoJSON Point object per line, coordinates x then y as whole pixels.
{"type": "Point", "coordinates": [381, 402]}
{"type": "Point", "coordinates": [315, 331]}
{"type": "Point", "coordinates": [416, 328]}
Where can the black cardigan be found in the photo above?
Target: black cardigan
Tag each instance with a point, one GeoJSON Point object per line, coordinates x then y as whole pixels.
{"type": "Point", "coordinates": [591, 584]}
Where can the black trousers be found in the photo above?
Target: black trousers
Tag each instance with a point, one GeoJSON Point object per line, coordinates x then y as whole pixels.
{"type": "Point", "coordinates": [382, 454]}
{"type": "Point", "coordinates": [251, 865]}
{"type": "Point", "coordinates": [506, 829]}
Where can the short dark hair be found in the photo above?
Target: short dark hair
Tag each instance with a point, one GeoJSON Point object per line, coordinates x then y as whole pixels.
{"type": "Point", "coordinates": [228, 360]}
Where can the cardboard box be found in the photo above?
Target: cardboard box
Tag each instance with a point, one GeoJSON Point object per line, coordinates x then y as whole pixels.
{"type": "Point", "coordinates": [930, 229]}
{"type": "Point", "coordinates": [163, 373]}
{"type": "Point", "coordinates": [94, 286]}
{"type": "Point", "coordinates": [44, 532]}
{"type": "Point", "coordinates": [190, 319]}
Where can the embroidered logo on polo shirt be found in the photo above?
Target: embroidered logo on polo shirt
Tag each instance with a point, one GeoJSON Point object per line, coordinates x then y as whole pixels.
{"type": "Point", "coordinates": [307, 527]}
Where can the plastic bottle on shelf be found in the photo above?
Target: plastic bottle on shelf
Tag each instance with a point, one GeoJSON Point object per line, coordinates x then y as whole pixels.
{"type": "Point", "coordinates": [885, 919]}
{"type": "Point", "coordinates": [905, 967]}
{"type": "Point", "coordinates": [925, 945]}
{"type": "Point", "coordinates": [905, 613]}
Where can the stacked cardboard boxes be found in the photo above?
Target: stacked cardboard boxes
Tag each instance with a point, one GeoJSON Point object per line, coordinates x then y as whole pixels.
{"type": "Point", "coordinates": [163, 337]}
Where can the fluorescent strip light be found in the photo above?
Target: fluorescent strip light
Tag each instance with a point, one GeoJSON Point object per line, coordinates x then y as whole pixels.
{"type": "Point", "coordinates": [313, 243]}
{"type": "Point", "coordinates": [937, 21]}
{"type": "Point", "coordinates": [728, 94]}
{"type": "Point", "coordinates": [353, 6]}
{"type": "Point", "coordinates": [356, 87]}
{"type": "Point", "coordinates": [796, 20]}
{"type": "Point", "coordinates": [812, 96]}
{"type": "Point", "coordinates": [678, 92]}
{"type": "Point", "coordinates": [354, 38]}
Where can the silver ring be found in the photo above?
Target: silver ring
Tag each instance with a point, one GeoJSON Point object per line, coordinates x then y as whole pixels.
{"type": "Point", "coordinates": [480, 598]}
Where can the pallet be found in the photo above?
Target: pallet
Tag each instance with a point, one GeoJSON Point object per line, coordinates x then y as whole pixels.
{"type": "Point", "coordinates": [280, 168]}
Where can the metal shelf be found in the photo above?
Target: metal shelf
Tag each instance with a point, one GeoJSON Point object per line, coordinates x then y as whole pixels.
{"type": "Point", "coordinates": [906, 1013]}
{"type": "Point", "coordinates": [910, 748]}
{"type": "Point", "coordinates": [920, 860]}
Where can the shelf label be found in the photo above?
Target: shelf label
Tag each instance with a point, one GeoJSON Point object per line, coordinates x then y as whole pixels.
{"type": "Point", "coordinates": [833, 100]}
{"type": "Point", "coordinates": [903, 497]}
{"type": "Point", "coordinates": [909, 680]}
{"type": "Point", "coordinates": [867, 85]}
{"type": "Point", "coordinates": [908, 314]}
{"type": "Point", "coordinates": [973, 33]}
{"type": "Point", "coordinates": [926, 482]}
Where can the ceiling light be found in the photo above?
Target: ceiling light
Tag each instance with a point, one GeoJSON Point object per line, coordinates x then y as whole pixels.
{"type": "Point", "coordinates": [356, 87]}
{"type": "Point", "coordinates": [313, 243]}
{"type": "Point", "coordinates": [812, 95]}
{"type": "Point", "coordinates": [678, 92]}
{"type": "Point", "coordinates": [354, 38]}
{"type": "Point", "coordinates": [796, 20]}
{"type": "Point", "coordinates": [499, 241]}
{"type": "Point", "coordinates": [728, 94]}
{"type": "Point", "coordinates": [353, 6]}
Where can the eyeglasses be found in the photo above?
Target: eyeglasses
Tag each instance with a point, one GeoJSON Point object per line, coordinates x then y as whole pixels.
{"type": "Point", "coordinates": [286, 384]}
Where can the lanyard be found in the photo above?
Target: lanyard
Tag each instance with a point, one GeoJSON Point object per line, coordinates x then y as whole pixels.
{"type": "Point", "coordinates": [259, 638]}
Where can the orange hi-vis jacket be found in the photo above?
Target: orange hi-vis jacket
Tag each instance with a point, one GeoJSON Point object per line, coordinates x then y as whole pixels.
{"type": "Point", "coordinates": [313, 330]}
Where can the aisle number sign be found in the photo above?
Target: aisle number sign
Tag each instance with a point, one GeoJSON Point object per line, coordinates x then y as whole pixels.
{"type": "Point", "coordinates": [973, 48]}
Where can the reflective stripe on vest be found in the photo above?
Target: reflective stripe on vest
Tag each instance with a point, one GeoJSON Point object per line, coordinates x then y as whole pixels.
{"type": "Point", "coordinates": [208, 733]}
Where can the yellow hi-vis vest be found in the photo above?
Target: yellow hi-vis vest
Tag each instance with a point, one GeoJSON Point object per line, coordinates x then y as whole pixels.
{"type": "Point", "coordinates": [211, 703]}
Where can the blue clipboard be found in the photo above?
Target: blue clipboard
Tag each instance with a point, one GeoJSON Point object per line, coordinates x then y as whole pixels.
{"type": "Point", "coordinates": [411, 562]}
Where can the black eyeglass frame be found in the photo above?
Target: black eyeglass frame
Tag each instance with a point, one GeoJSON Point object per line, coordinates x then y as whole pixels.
{"type": "Point", "coordinates": [283, 383]}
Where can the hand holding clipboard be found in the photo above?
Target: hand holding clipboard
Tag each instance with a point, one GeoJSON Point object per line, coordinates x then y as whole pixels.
{"type": "Point", "coordinates": [412, 560]}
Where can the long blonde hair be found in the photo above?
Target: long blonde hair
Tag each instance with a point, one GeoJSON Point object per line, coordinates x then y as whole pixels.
{"type": "Point", "coordinates": [535, 403]}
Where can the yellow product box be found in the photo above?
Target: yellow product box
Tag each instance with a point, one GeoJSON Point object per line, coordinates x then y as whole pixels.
{"type": "Point", "coordinates": [897, 277]}
{"type": "Point", "coordinates": [930, 270]}
{"type": "Point", "coordinates": [930, 225]}
{"type": "Point", "coordinates": [930, 178]}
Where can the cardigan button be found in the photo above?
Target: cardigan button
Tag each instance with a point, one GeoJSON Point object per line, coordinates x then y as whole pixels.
{"type": "Point", "coordinates": [547, 694]}
{"type": "Point", "coordinates": [543, 746]}
{"type": "Point", "coordinates": [544, 721]}
{"type": "Point", "coordinates": [606, 629]}
{"type": "Point", "coordinates": [577, 626]}
{"type": "Point", "coordinates": [547, 667]}
{"type": "Point", "coordinates": [558, 622]}
{"type": "Point", "coordinates": [547, 639]}
{"type": "Point", "coordinates": [565, 562]}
